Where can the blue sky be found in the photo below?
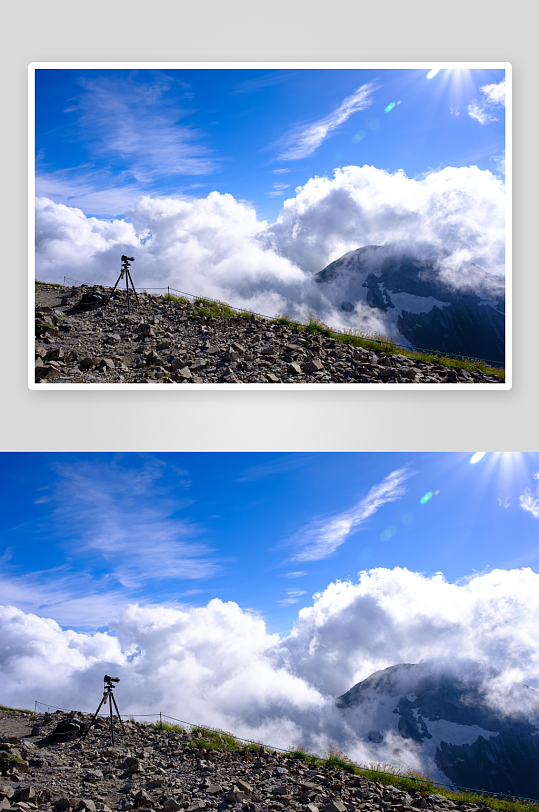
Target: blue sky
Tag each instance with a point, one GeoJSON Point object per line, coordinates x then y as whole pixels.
{"type": "Point", "coordinates": [83, 535]}
{"type": "Point", "coordinates": [105, 137]}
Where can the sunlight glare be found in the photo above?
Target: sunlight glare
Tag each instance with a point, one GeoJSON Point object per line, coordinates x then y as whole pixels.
{"type": "Point", "coordinates": [432, 73]}
{"type": "Point", "coordinates": [425, 499]}
{"type": "Point", "coordinates": [477, 456]}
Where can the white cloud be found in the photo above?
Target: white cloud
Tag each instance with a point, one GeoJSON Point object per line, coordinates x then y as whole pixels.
{"type": "Point", "coordinates": [479, 113]}
{"type": "Point", "coordinates": [279, 171]}
{"type": "Point", "coordinates": [305, 139]}
{"type": "Point", "coordinates": [293, 596]}
{"type": "Point", "coordinates": [322, 537]}
{"type": "Point", "coordinates": [216, 246]}
{"type": "Point", "coordinates": [217, 664]}
{"type": "Point", "coordinates": [529, 502]}
{"type": "Point", "coordinates": [494, 94]}
{"type": "Point", "coordinates": [140, 121]}
{"type": "Point", "coordinates": [295, 574]}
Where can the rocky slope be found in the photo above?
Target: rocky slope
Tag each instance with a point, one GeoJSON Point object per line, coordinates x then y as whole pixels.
{"type": "Point", "coordinates": [460, 738]}
{"type": "Point", "coordinates": [173, 342]}
{"type": "Point", "coordinates": [421, 307]}
{"type": "Point", "coordinates": [158, 770]}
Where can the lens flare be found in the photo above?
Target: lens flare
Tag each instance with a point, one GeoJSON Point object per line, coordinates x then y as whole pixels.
{"type": "Point", "coordinates": [388, 533]}
{"type": "Point", "coordinates": [425, 499]}
{"type": "Point", "coordinates": [358, 136]}
{"type": "Point", "coordinates": [408, 518]}
{"type": "Point", "coordinates": [389, 107]}
{"type": "Point", "coordinates": [477, 456]}
{"type": "Point", "coordinates": [432, 73]}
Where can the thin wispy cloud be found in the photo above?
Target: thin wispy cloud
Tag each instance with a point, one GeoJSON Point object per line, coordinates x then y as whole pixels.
{"type": "Point", "coordinates": [139, 123]}
{"type": "Point", "coordinates": [279, 171]}
{"type": "Point", "coordinates": [259, 82]}
{"type": "Point", "coordinates": [125, 520]}
{"type": "Point", "coordinates": [322, 537]}
{"type": "Point", "coordinates": [293, 596]}
{"type": "Point", "coordinates": [529, 501]}
{"type": "Point", "coordinates": [295, 574]}
{"type": "Point", "coordinates": [305, 139]}
{"type": "Point", "coordinates": [279, 466]}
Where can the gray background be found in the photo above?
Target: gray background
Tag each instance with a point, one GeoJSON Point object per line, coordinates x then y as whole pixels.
{"type": "Point", "coordinates": [256, 30]}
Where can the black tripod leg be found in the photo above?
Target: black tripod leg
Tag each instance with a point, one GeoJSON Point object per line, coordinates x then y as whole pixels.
{"type": "Point", "coordinates": [128, 308]}
{"type": "Point", "coordinates": [132, 285]}
{"type": "Point", "coordinates": [113, 289]}
{"type": "Point", "coordinates": [118, 712]}
{"type": "Point", "coordinates": [111, 724]}
{"type": "Point", "coordinates": [93, 720]}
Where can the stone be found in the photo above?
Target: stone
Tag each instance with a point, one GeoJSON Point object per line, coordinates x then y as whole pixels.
{"type": "Point", "coordinates": [314, 365]}
{"type": "Point", "coordinates": [107, 363]}
{"type": "Point", "coordinates": [23, 794]}
{"type": "Point", "coordinates": [294, 368]}
{"type": "Point", "coordinates": [238, 348]}
{"type": "Point", "coordinates": [195, 806]}
{"type": "Point", "coordinates": [214, 788]}
{"type": "Point", "coordinates": [92, 776]}
{"type": "Point", "coordinates": [243, 786]}
{"type": "Point", "coordinates": [55, 354]}
{"type": "Point", "coordinates": [184, 373]}
{"type": "Point", "coordinates": [4, 804]}
{"type": "Point", "coordinates": [310, 808]}
{"type": "Point", "coordinates": [114, 338]}
{"type": "Point", "coordinates": [271, 378]}
{"type": "Point", "coordinates": [335, 806]}
{"type": "Point", "coordinates": [86, 803]}
{"type": "Point", "coordinates": [62, 803]}
{"type": "Point", "coordinates": [154, 783]}
{"type": "Point", "coordinates": [171, 805]}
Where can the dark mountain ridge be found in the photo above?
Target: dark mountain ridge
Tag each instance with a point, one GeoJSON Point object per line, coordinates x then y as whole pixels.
{"type": "Point", "coordinates": [420, 303]}
{"type": "Point", "coordinates": [468, 740]}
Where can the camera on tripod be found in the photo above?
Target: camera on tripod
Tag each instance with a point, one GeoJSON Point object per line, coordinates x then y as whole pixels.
{"type": "Point", "coordinates": [107, 695]}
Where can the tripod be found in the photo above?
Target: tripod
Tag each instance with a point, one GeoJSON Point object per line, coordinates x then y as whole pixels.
{"type": "Point", "coordinates": [107, 694]}
{"type": "Point", "coordinates": [124, 272]}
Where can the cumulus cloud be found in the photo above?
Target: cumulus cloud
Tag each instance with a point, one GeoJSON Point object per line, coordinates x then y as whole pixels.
{"type": "Point", "coordinates": [492, 96]}
{"type": "Point", "coordinates": [217, 664]}
{"type": "Point", "coordinates": [322, 537]}
{"type": "Point", "coordinates": [303, 140]}
{"type": "Point", "coordinates": [479, 113]}
{"type": "Point", "coordinates": [529, 502]}
{"type": "Point", "coordinates": [216, 246]}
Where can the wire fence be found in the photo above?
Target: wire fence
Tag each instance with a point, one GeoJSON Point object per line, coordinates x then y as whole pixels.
{"type": "Point", "coordinates": [194, 297]}
{"type": "Point", "coordinates": [335, 761]}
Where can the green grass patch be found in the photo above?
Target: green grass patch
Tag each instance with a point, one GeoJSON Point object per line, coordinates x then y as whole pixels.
{"type": "Point", "coordinates": [412, 781]}
{"type": "Point", "coordinates": [169, 297]}
{"type": "Point", "coordinates": [50, 284]}
{"type": "Point", "coordinates": [15, 710]}
{"type": "Point", "coordinates": [213, 309]}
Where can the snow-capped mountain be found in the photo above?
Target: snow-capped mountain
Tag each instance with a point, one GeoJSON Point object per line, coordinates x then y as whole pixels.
{"type": "Point", "coordinates": [427, 302]}
{"type": "Point", "coordinates": [459, 734]}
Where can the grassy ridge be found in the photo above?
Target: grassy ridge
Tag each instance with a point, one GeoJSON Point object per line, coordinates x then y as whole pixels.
{"type": "Point", "coordinates": [213, 309]}
{"type": "Point", "coordinates": [386, 774]}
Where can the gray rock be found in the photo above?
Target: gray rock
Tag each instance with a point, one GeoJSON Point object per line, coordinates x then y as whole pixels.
{"type": "Point", "coordinates": [62, 803]}
{"type": "Point", "coordinates": [314, 365]}
{"type": "Point", "coordinates": [335, 806]}
{"type": "Point", "coordinates": [294, 369]}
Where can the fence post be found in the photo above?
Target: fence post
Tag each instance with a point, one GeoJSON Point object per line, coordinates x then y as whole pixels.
{"type": "Point", "coordinates": [160, 720]}
{"type": "Point", "coordinates": [168, 288]}
{"type": "Point", "coordinates": [35, 706]}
